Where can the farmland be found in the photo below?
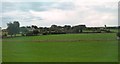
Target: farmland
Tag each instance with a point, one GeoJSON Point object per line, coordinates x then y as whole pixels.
{"type": "Point", "coordinates": [96, 47]}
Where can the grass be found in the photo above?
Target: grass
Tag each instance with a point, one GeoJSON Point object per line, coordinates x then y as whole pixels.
{"type": "Point", "coordinates": [62, 48]}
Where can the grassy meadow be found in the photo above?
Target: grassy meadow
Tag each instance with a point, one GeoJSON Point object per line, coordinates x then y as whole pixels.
{"type": "Point", "coordinates": [102, 47]}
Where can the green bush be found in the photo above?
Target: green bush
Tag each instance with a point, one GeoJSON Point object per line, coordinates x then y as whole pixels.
{"type": "Point", "coordinates": [118, 34]}
{"type": "Point", "coordinates": [29, 34]}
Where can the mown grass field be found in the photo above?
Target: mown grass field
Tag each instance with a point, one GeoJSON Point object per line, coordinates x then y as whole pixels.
{"type": "Point", "coordinates": [62, 48]}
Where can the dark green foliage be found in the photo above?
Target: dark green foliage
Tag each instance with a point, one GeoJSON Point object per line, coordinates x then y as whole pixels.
{"type": "Point", "coordinates": [35, 32]}
{"type": "Point", "coordinates": [23, 30]}
{"type": "Point", "coordinates": [10, 29]}
{"type": "Point", "coordinates": [108, 31]}
{"type": "Point", "coordinates": [78, 28]}
{"type": "Point", "coordinates": [29, 34]}
{"type": "Point", "coordinates": [4, 35]}
{"type": "Point", "coordinates": [58, 33]}
{"type": "Point", "coordinates": [32, 33]}
{"type": "Point", "coordinates": [35, 27]}
{"type": "Point", "coordinates": [44, 33]}
{"type": "Point", "coordinates": [13, 28]}
{"type": "Point", "coordinates": [16, 27]}
{"type": "Point", "coordinates": [118, 34]}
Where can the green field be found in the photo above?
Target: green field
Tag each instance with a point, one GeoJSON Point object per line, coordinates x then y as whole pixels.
{"type": "Point", "coordinates": [62, 48]}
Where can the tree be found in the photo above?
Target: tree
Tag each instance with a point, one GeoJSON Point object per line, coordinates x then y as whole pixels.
{"type": "Point", "coordinates": [16, 27]}
{"type": "Point", "coordinates": [78, 28]}
{"type": "Point", "coordinates": [67, 28]}
{"type": "Point", "coordinates": [35, 27]}
{"type": "Point", "coordinates": [81, 27]}
{"type": "Point", "coordinates": [35, 32]}
{"type": "Point", "coordinates": [13, 28]}
{"type": "Point", "coordinates": [53, 29]}
{"type": "Point", "coordinates": [23, 30]}
{"type": "Point", "coordinates": [10, 29]}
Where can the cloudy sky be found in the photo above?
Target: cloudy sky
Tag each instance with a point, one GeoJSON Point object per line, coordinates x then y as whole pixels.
{"type": "Point", "coordinates": [60, 12]}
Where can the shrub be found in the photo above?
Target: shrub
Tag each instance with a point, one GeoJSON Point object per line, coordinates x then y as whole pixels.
{"type": "Point", "coordinates": [118, 34]}
{"type": "Point", "coordinates": [35, 32]}
{"type": "Point", "coordinates": [4, 36]}
{"type": "Point", "coordinates": [29, 34]}
{"type": "Point", "coordinates": [23, 34]}
{"type": "Point", "coordinates": [44, 33]}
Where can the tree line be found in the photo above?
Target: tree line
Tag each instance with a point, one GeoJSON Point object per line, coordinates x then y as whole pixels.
{"type": "Point", "coordinates": [14, 28]}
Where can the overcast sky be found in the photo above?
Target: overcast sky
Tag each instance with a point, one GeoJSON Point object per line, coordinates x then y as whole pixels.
{"type": "Point", "coordinates": [60, 12]}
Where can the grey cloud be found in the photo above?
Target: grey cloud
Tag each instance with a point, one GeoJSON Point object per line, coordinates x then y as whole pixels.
{"type": "Point", "coordinates": [37, 6]}
{"type": "Point", "coordinates": [23, 15]}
